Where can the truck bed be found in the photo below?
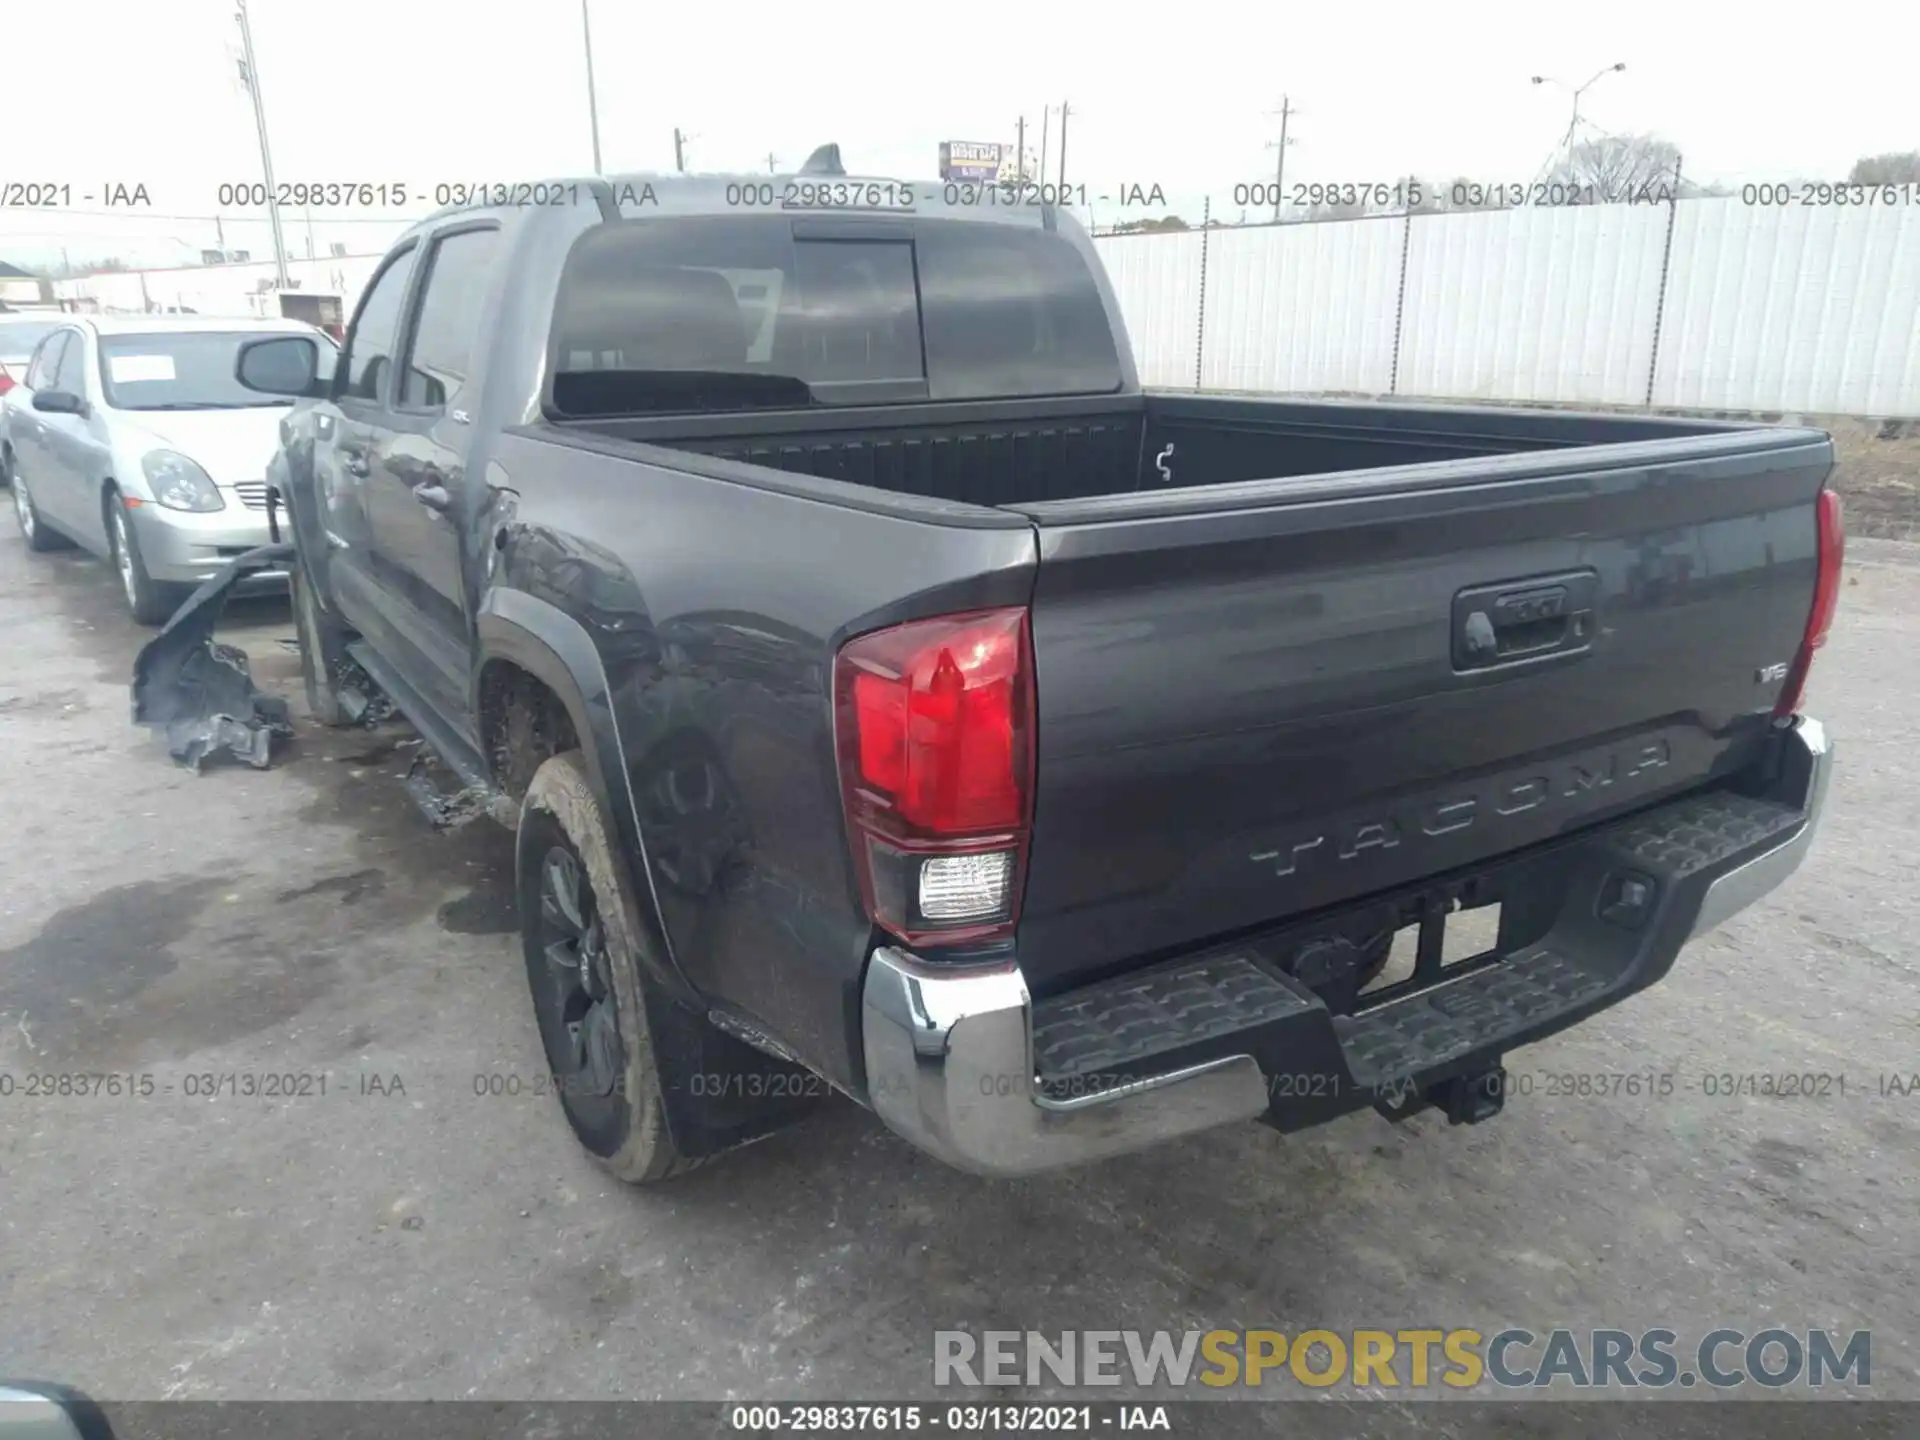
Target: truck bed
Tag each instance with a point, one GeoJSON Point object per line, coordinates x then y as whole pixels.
{"type": "Point", "coordinates": [1029, 452]}
{"type": "Point", "coordinates": [1252, 695]}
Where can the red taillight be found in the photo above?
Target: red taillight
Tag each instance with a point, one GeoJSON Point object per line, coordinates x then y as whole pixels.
{"type": "Point", "coordinates": [6, 380]}
{"type": "Point", "coordinates": [1832, 549]}
{"type": "Point", "coordinates": [934, 721]}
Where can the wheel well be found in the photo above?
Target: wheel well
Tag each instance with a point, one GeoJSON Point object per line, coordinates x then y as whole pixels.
{"type": "Point", "coordinates": [522, 723]}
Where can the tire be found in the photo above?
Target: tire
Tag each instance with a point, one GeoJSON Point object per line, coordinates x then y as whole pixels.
{"type": "Point", "coordinates": [323, 650]}
{"type": "Point", "coordinates": [592, 1016]}
{"type": "Point", "coordinates": [6, 467]}
{"type": "Point", "coordinates": [40, 537]}
{"type": "Point", "coordinates": [152, 602]}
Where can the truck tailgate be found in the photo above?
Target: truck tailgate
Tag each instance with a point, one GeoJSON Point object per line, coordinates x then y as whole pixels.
{"type": "Point", "coordinates": [1258, 700]}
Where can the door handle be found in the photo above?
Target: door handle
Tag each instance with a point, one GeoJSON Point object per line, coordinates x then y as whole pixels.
{"type": "Point", "coordinates": [357, 465]}
{"type": "Point", "coordinates": [434, 497]}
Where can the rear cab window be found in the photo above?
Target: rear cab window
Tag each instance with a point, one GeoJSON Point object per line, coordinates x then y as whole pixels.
{"type": "Point", "coordinates": [702, 314]}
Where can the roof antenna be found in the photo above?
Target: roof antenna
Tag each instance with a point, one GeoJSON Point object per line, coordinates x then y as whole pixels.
{"type": "Point", "coordinates": [824, 161]}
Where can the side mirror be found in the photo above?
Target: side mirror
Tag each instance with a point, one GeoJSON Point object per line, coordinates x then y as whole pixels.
{"type": "Point", "coordinates": [30, 1410]}
{"type": "Point", "coordinates": [58, 402]}
{"type": "Point", "coordinates": [280, 365]}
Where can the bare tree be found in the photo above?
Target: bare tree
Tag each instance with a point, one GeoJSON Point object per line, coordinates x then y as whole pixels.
{"type": "Point", "coordinates": [1896, 167]}
{"type": "Point", "coordinates": [1417, 196]}
{"type": "Point", "coordinates": [1336, 210]}
{"type": "Point", "coordinates": [1612, 168]}
{"type": "Point", "coordinates": [1157, 226]}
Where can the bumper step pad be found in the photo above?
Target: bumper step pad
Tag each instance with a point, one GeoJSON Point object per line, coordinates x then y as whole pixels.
{"type": "Point", "coordinates": [1691, 835]}
{"type": "Point", "coordinates": [1172, 1016]}
{"type": "Point", "coordinates": [1107, 1027]}
{"type": "Point", "coordinates": [1437, 1027]}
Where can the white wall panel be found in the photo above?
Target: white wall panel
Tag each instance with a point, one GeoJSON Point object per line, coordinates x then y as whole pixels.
{"type": "Point", "coordinates": [1302, 307]}
{"type": "Point", "coordinates": [1156, 279]}
{"type": "Point", "coordinates": [1545, 303]}
{"type": "Point", "coordinates": [1801, 308]}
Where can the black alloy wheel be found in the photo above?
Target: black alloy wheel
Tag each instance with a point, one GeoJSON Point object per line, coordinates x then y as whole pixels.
{"type": "Point", "coordinates": [578, 1013]}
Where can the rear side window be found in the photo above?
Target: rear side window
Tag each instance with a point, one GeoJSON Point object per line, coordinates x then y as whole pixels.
{"type": "Point", "coordinates": [440, 356]}
{"type": "Point", "coordinates": [716, 314]}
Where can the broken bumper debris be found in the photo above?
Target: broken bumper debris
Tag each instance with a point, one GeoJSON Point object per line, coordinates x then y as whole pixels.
{"type": "Point", "coordinates": [199, 692]}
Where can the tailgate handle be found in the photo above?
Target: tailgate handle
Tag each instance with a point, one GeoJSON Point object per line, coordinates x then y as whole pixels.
{"type": "Point", "coordinates": [1521, 620]}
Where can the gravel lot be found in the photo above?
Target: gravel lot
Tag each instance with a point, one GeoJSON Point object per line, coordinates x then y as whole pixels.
{"type": "Point", "coordinates": [437, 1243]}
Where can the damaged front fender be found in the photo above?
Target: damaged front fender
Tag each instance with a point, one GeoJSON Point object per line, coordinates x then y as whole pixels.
{"type": "Point", "coordinates": [200, 693]}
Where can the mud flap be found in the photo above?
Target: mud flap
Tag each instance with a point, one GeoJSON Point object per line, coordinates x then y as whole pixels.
{"type": "Point", "coordinates": [200, 693]}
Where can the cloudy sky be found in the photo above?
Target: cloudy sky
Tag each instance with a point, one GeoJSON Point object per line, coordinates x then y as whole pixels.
{"type": "Point", "coordinates": [425, 91]}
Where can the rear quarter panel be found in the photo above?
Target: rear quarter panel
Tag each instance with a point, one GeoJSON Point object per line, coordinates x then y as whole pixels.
{"type": "Point", "coordinates": [715, 608]}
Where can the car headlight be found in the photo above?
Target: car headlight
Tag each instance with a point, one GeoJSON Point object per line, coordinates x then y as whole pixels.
{"type": "Point", "coordinates": [178, 483]}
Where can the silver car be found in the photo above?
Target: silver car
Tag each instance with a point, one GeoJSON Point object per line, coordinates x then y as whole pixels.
{"type": "Point", "coordinates": [131, 438]}
{"type": "Point", "coordinates": [19, 334]}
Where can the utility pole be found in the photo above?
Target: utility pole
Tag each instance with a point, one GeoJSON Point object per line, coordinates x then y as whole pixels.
{"type": "Point", "coordinates": [593, 104]}
{"type": "Point", "coordinates": [679, 150]}
{"type": "Point", "coordinates": [1061, 179]}
{"type": "Point", "coordinates": [1280, 162]}
{"type": "Point", "coordinates": [772, 161]}
{"type": "Point", "coordinates": [1045, 115]}
{"type": "Point", "coordinates": [266, 153]}
{"type": "Point", "coordinates": [1020, 154]}
{"type": "Point", "coordinates": [220, 236]}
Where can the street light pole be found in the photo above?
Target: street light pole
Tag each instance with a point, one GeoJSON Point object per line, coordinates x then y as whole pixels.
{"type": "Point", "coordinates": [1573, 125]}
{"type": "Point", "coordinates": [593, 105]}
{"type": "Point", "coordinates": [266, 152]}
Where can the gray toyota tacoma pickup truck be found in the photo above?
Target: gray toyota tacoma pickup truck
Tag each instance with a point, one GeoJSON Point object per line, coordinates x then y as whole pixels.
{"type": "Point", "coordinates": [894, 699]}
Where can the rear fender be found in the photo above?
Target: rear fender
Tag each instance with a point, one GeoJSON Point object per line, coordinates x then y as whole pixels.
{"type": "Point", "coordinates": [552, 646]}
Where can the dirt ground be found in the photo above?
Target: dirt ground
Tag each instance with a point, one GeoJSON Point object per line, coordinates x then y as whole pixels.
{"type": "Point", "coordinates": [411, 1233]}
{"type": "Point", "coordinates": [1877, 475]}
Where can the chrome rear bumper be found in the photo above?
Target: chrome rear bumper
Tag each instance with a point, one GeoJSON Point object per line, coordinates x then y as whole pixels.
{"type": "Point", "coordinates": [950, 1052]}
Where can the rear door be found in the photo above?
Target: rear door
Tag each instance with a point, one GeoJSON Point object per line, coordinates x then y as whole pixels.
{"type": "Point", "coordinates": [26, 426]}
{"type": "Point", "coordinates": [1249, 713]}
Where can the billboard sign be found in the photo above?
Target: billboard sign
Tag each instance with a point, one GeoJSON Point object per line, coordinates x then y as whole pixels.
{"type": "Point", "coordinates": [969, 160]}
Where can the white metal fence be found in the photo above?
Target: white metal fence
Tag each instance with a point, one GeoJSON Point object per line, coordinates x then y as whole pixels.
{"type": "Point", "coordinates": [1704, 304]}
